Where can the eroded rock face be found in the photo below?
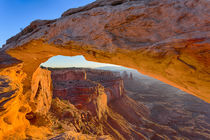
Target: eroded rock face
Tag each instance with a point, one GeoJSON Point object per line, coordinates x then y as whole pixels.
{"type": "Point", "coordinates": [41, 87]}
{"type": "Point", "coordinates": [85, 83]}
{"type": "Point", "coordinates": [168, 40]}
{"type": "Point", "coordinates": [13, 104]}
{"type": "Point", "coordinates": [67, 75]}
{"type": "Point", "coordinates": [85, 95]}
{"type": "Point", "coordinates": [112, 82]}
{"type": "Point", "coordinates": [87, 89]}
{"type": "Point", "coordinates": [80, 105]}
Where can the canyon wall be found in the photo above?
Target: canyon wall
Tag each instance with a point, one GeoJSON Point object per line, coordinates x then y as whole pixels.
{"type": "Point", "coordinates": [41, 91]}
{"type": "Point", "coordinates": [85, 83]}
{"type": "Point", "coordinates": [20, 114]}
{"type": "Point", "coordinates": [112, 82]}
{"type": "Point", "coordinates": [87, 93]}
{"type": "Point", "coordinates": [87, 89]}
{"type": "Point", "coordinates": [13, 104]}
{"type": "Point", "coordinates": [67, 75]}
{"type": "Point", "coordinates": [80, 108]}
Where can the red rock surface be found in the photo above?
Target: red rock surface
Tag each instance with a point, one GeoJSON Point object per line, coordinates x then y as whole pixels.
{"type": "Point", "coordinates": [82, 87]}
{"type": "Point", "coordinates": [86, 83]}
{"type": "Point", "coordinates": [82, 94]}
{"type": "Point", "coordinates": [112, 82]}
{"type": "Point", "coordinates": [67, 75]}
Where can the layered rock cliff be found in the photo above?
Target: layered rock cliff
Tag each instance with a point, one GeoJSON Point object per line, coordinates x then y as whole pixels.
{"type": "Point", "coordinates": [81, 104]}
{"type": "Point", "coordinates": [87, 88]}
{"type": "Point", "coordinates": [80, 109]}
{"type": "Point", "coordinates": [86, 81]}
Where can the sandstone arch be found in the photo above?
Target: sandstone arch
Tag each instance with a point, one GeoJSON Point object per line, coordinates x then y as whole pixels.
{"type": "Point", "coordinates": [168, 40]}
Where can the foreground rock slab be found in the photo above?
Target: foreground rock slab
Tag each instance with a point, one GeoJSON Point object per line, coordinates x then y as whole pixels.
{"type": "Point", "coordinates": [168, 40]}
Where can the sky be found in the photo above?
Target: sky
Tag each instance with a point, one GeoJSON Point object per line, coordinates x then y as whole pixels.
{"type": "Point", "coordinates": [75, 61]}
{"type": "Point", "coordinates": [17, 14]}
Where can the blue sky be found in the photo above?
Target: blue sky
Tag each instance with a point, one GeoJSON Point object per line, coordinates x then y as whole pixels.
{"type": "Point", "coordinates": [75, 61]}
{"type": "Point", "coordinates": [17, 14]}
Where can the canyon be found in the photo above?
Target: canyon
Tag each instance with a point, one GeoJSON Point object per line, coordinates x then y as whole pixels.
{"type": "Point", "coordinates": [167, 40]}
{"type": "Point", "coordinates": [94, 104]}
{"type": "Point", "coordinates": [168, 106]}
{"type": "Point", "coordinates": [82, 103]}
{"type": "Point", "coordinates": [76, 100]}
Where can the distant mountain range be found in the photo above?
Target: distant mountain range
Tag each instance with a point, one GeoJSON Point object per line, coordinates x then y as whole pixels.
{"type": "Point", "coordinates": [121, 69]}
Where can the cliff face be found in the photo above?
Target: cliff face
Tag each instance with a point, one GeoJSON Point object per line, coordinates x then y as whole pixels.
{"type": "Point", "coordinates": [97, 104]}
{"type": "Point", "coordinates": [85, 83]}
{"type": "Point", "coordinates": [41, 91]}
{"type": "Point", "coordinates": [21, 116]}
{"type": "Point", "coordinates": [80, 108]}
{"type": "Point", "coordinates": [87, 88]}
{"type": "Point", "coordinates": [13, 104]}
{"type": "Point", "coordinates": [67, 75]}
{"type": "Point", "coordinates": [112, 82]}
{"type": "Point", "coordinates": [81, 99]}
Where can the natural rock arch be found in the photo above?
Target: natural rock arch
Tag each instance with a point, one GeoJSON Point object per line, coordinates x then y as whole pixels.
{"type": "Point", "coordinates": [168, 40]}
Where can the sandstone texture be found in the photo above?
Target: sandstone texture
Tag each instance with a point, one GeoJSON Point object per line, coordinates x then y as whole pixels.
{"type": "Point", "coordinates": [56, 115]}
{"type": "Point", "coordinates": [167, 40]}
{"type": "Point", "coordinates": [87, 89]}
{"type": "Point", "coordinates": [41, 87]}
{"type": "Point", "coordinates": [166, 115]}
{"type": "Point", "coordinates": [84, 83]}
{"type": "Point", "coordinates": [81, 104]}
{"type": "Point", "coordinates": [111, 81]}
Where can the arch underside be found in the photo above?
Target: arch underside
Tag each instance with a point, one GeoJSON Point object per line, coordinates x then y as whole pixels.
{"type": "Point", "coordinates": [135, 34]}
